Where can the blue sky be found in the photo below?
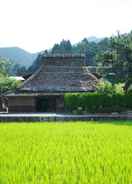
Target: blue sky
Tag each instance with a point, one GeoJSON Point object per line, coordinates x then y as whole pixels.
{"type": "Point", "coordinates": [37, 24]}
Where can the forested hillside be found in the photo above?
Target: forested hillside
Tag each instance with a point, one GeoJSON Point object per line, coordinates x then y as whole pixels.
{"type": "Point", "coordinates": [18, 56]}
{"type": "Point", "coordinates": [114, 52]}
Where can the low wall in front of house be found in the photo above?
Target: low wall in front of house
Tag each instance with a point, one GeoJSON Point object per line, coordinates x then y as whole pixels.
{"type": "Point", "coordinates": [32, 117]}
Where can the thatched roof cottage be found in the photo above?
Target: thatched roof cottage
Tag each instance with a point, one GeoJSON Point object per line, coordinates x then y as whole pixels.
{"type": "Point", "coordinates": [44, 90]}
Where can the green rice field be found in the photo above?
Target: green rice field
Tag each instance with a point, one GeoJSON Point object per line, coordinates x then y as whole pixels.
{"type": "Point", "coordinates": [66, 153]}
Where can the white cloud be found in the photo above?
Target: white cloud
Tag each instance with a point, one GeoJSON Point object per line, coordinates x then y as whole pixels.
{"type": "Point", "coordinates": [38, 24]}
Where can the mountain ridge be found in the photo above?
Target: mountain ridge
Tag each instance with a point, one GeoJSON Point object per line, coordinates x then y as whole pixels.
{"type": "Point", "coordinates": [18, 55]}
{"type": "Point", "coordinates": [25, 58]}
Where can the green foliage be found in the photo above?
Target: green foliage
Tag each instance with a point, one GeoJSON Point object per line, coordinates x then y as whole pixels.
{"type": "Point", "coordinates": [119, 56]}
{"type": "Point", "coordinates": [67, 153]}
{"type": "Point", "coordinates": [7, 84]}
{"type": "Point", "coordinates": [107, 88]}
{"type": "Point", "coordinates": [119, 88]}
{"type": "Point", "coordinates": [64, 47]}
{"type": "Point", "coordinates": [8, 67]}
{"type": "Point", "coordinates": [111, 56]}
{"type": "Point", "coordinates": [98, 103]}
{"type": "Point", "coordinates": [5, 67]}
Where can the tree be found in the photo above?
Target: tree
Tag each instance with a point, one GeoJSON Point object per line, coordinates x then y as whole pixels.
{"type": "Point", "coordinates": [5, 67]}
{"type": "Point", "coordinates": [64, 47]}
{"type": "Point", "coordinates": [7, 84]}
{"type": "Point", "coordinates": [56, 49]}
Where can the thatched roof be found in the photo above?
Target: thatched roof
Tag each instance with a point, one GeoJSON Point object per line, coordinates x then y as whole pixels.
{"type": "Point", "coordinates": [61, 74]}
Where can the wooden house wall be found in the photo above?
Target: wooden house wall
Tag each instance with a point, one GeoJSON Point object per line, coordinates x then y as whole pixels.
{"type": "Point", "coordinates": [1, 109]}
{"type": "Point", "coordinates": [21, 104]}
{"type": "Point", "coordinates": [28, 104]}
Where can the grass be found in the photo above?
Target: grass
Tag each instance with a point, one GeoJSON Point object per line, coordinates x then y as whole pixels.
{"type": "Point", "coordinates": [66, 153]}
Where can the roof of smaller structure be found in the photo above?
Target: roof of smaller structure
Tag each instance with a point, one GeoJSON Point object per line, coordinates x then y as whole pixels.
{"type": "Point", "coordinates": [18, 78]}
{"type": "Point", "coordinates": [63, 73]}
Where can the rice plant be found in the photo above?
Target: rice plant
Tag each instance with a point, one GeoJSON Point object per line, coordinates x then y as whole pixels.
{"type": "Point", "coordinates": [66, 153]}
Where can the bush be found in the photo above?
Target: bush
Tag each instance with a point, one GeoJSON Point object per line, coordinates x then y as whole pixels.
{"type": "Point", "coordinates": [7, 84]}
{"type": "Point", "coordinates": [107, 88]}
{"type": "Point", "coordinates": [118, 88]}
{"type": "Point", "coordinates": [97, 103]}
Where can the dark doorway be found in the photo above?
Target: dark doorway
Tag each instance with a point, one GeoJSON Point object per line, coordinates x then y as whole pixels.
{"type": "Point", "coordinates": [46, 104]}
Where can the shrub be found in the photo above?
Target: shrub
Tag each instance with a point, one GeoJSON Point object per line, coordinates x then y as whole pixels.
{"type": "Point", "coordinates": [7, 84]}
{"type": "Point", "coordinates": [118, 88]}
{"type": "Point", "coordinates": [97, 103]}
{"type": "Point", "coordinates": [107, 88]}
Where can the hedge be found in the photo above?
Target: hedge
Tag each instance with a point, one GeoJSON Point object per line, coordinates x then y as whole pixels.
{"type": "Point", "coordinates": [97, 103]}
